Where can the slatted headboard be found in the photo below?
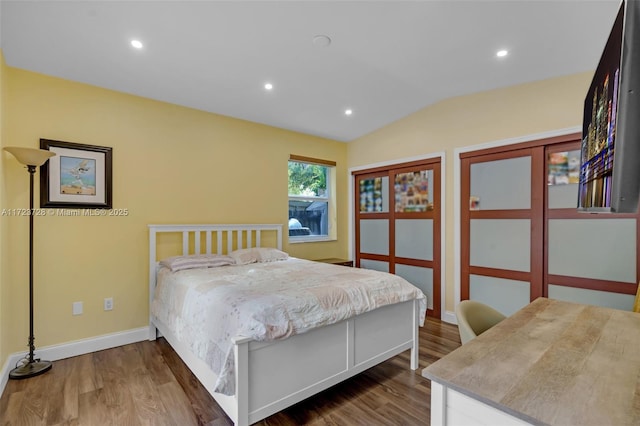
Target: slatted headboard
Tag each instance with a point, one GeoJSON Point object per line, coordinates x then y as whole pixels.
{"type": "Point", "coordinates": [236, 237]}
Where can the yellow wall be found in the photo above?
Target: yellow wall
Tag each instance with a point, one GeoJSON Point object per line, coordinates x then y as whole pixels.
{"type": "Point", "coordinates": [470, 120]}
{"type": "Point", "coordinates": [174, 164]}
{"type": "Point", "coordinates": [3, 270]}
{"type": "Point", "coordinates": [170, 165]}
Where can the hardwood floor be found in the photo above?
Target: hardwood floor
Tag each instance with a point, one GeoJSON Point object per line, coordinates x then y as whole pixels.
{"type": "Point", "coordinates": [146, 383]}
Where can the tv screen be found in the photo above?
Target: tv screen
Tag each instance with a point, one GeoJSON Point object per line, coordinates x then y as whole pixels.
{"type": "Point", "coordinates": [610, 152]}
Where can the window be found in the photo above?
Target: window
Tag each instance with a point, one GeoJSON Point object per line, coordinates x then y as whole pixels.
{"type": "Point", "coordinates": [311, 200]}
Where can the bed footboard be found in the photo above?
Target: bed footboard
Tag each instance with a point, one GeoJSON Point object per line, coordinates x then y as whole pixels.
{"type": "Point", "coordinates": [271, 376]}
{"type": "Point", "coordinates": [285, 372]}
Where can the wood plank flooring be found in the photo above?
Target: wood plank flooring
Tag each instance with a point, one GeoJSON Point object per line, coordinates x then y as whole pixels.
{"type": "Point", "coordinates": [146, 383]}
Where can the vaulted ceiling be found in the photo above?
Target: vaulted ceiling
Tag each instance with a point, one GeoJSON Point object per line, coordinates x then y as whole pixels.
{"type": "Point", "coordinates": [383, 60]}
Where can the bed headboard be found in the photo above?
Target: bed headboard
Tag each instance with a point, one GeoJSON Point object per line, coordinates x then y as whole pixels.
{"type": "Point", "coordinates": [244, 236]}
{"type": "Point", "coordinates": [199, 239]}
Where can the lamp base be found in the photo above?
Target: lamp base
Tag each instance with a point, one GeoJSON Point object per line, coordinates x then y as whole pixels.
{"type": "Point", "coordinates": [30, 369]}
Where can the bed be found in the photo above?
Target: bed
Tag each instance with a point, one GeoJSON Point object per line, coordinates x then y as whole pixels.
{"type": "Point", "coordinates": [262, 376]}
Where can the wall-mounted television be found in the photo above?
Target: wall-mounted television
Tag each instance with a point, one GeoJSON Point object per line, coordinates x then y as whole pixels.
{"type": "Point", "coordinates": [610, 152]}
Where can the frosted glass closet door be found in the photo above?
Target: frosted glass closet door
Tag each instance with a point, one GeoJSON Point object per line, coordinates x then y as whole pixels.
{"type": "Point", "coordinates": [414, 240]}
{"type": "Point", "coordinates": [497, 241]}
{"type": "Point", "coordinates": [398, 225]}
{"type": "Point", "coordinates": [595, 247]}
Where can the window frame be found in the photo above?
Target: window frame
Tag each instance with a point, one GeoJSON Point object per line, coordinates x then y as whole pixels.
{"type": "Point", "coordinates": [329, 198]}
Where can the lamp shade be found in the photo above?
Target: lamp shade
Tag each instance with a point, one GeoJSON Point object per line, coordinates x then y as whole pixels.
{"type": "Point", "coordinates": [30, 156]}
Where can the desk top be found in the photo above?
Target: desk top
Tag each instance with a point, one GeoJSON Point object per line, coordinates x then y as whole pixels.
{"type": "Point", "coordinates": [554, 363]}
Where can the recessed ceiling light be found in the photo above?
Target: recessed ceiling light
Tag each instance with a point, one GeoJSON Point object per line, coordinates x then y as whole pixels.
{"type": "Point", "coordinates": [268, 86]}
{"type": "Point", "coordinates": [502, 53]}
{"type": "Point", "coordinates": [348, 112]}
{"type": "Point", "coordinates": [321, 40]}
{"type": "Point", "coordinates": [136, 43]}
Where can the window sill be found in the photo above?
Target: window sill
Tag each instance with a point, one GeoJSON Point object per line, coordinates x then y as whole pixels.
{"type": "Point", "coordinates": [310, 239]}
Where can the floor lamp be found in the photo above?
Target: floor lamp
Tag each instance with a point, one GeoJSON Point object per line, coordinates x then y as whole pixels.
{"type": "Point", "coordinates": [31, 158]}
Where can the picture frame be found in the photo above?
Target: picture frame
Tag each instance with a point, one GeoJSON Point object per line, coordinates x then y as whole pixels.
{"type": "Point", "coordinates": [78, 177]}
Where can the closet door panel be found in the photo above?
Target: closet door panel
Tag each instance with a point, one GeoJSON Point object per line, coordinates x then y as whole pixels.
{"type": "Point", "coordinates": [563, 196]}
{"type": "Point", "coordinates": [501, 243]}
{"type": "Point", "coordinates": [506, 296]}
{"type": "Point", "coordinates": [592, 297]}
{"type": "Point", "coordinates": [414, 238]}
{"type": "Point", "coordinates": [419, 277]}
{"type": "Point", "coordinates": [413, 191]}
{"type": "Point", "coordinates": [374, 194]}
{"type": "Point", "coordinates": [502, 184]}
{"type": "Point", "coordinates": [374, 236]}
{"type": "Point", "coordinates": [374, 264]}
{"type": "Point", "coordinates": [563, 174]}
{"type": "Point", "coordinates": [593, 248]}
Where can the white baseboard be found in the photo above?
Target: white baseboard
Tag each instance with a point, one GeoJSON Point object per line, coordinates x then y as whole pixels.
{"type": "Point", "coordinates": [450, 317]}
{"type": "Point", "coordinates": [75, 348]}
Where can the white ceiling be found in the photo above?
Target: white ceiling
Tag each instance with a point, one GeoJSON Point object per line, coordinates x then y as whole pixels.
{"type": "Point", "coordinates": [387, 59]}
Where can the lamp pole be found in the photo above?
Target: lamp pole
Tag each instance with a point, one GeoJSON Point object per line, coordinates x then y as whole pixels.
{"type": "Point", "coordinates": [30, 366]}
{"type": "Point", "coordinates": [32, 347]}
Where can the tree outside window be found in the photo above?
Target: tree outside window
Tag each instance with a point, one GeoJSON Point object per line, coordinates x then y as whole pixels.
{"type": "Point", "coordinates": [309, 199]}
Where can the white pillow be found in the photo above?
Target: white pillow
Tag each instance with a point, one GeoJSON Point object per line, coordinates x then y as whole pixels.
{"type": "Point", "coordinates": [257, 254]}
{"type": "Point", "coordinates": [178, 263]}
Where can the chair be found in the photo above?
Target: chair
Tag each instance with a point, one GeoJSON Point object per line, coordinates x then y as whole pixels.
{"type": "Point", "coordinates": [475, 318]}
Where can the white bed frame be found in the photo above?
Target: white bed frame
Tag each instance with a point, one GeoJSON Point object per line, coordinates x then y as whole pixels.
{"type": "Point", "coordinates": [271, 376]}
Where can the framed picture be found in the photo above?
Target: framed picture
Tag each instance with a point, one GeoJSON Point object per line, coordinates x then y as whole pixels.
{"type": "Point", "coordinates": [78, 177]}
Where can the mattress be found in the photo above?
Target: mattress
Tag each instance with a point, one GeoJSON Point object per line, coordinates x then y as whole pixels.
{"type": "Point", "coordinates": [204, 308]}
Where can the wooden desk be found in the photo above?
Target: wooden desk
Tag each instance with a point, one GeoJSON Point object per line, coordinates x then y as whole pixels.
{"type": "Point", "coordinates": [552, 362]}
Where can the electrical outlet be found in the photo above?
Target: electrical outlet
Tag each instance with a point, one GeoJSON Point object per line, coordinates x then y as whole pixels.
{"type": "Point", "coordinates": [77, 308]}
{"type": "Point", "coordinates": [108, 303]}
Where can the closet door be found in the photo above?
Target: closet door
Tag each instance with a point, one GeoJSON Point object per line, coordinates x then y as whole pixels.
{"type": "Point", "coordinates": [501, 228]}
{"type": "Point", "coordinates": [591, 258]}
{"type": "Point", "coordinates": [415, 231]}
{"type": "Point", "coordinates": [398, 225]}
{"type": "Point", "coordinates": [522, 236]}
